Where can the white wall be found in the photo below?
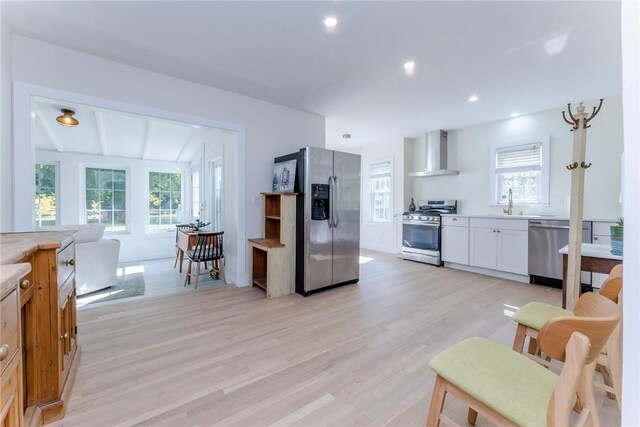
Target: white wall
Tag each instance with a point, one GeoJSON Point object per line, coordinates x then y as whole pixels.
{"type": "Point", "coordinates": [469, 153]}
{"type": "Point", "coordinates": [269, 130]}
{"type": "Point", "coordinates": [6, 129]}
{"type": "Point", "coordinates": [631, 297]}
{"type": "Point", "coordinates": [385, 237]}
{"type": "Point", "coordinates": [136, 243]}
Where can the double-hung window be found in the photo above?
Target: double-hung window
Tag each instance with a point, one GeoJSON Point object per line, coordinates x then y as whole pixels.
{"type": "Point", "coordinates": [521, 167]}
{"type": "Point", "coordinates": [105, 197]}
{"type": "Point", "coordinates": [45, 202]}
{"type": "Point", "coordinates": [380, 186]}
{"type": "Point", "coordinates": [165, 200]}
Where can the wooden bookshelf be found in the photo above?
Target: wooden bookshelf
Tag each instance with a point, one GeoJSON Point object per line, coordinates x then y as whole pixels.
{"type": "Point", "coordinates": [273, 256]}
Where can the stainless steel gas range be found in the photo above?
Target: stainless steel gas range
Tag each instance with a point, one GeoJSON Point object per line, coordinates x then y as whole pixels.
{"type": "Point", "coordinates": [421, 231]}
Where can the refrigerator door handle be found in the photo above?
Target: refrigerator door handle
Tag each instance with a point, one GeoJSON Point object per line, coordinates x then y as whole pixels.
{"type": "Point", "coordinates": [330, 222]}
{"type": "Point", "coordinates": [336, 216]}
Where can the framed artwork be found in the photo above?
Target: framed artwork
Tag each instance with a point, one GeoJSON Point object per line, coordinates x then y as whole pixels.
{"type": "Point", "coordinates": [284, 176]}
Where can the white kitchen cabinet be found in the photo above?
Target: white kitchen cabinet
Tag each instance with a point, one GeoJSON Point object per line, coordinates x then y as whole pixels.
{"type": "Point", "coordinates": [483, 247]}
{"type": "Point", "coordinates": [499, 245]}
{"type": "Point", "coordinates": [455, 244]}
{"type": "Point", "coordinates": [601, 236]}
{"type": "Point", "coordinates": [512, 252]}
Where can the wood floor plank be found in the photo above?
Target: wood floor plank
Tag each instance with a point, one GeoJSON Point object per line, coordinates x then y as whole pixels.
{"type": "Point", "coordinates": [226, 356]}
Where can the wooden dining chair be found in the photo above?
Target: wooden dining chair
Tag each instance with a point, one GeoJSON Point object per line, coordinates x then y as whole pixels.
{"type": "Point", "coordinates": [179, 227]}
{"type": "Point", "coordinates": [511, 390]}
{"type": "Point", "coordinates": [209, 247]}
{"type": "Point", "coordinates": [532, 316]}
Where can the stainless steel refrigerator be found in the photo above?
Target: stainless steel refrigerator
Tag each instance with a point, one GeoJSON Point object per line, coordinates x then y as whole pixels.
{"type": "Point", "coordinates": [328, 218]}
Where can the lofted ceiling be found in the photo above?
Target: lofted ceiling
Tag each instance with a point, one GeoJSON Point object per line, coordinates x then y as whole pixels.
{"type": "Point", "coordinates": [515, 55]}
{"type": "Point", "coordinates": [116, 133]}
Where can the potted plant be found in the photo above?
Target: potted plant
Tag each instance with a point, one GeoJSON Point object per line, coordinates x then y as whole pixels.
{"type": "Point", "coordinates": [617, 233]}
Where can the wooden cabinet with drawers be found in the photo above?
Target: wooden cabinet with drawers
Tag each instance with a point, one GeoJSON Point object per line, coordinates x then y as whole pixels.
{"type": "Point", "coordinates": [11, 367]}
{"type": "Point", "coordinates": [47, 303]}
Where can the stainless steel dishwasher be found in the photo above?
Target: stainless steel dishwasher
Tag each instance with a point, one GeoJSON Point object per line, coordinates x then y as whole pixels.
{"type": "Point", "coordinates": [546, 237]}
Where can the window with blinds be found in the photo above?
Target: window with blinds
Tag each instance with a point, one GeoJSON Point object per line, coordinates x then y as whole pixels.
{"type": "Point", "coordinates": [519, 168]}
{"type": "Point", "coordinates": [380, 185]}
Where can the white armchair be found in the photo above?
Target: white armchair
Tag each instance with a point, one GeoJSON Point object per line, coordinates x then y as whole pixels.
{"type": "Point", "coordinates": [96, 258]}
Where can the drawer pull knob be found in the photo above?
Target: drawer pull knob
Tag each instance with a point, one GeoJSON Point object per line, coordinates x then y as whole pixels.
{"type": "Point", "coordinates": [24, 284]}
{"type": "Point", "coordinates": [70, 262]}
{"type": "Point", "coordinates": [595, 238]}
{"type": "Point", "coordinates": [455, 219]}
{"type": "Point", "coordinates": [65, 336]}
{"type": "Point", "coordinates": [4, 351]}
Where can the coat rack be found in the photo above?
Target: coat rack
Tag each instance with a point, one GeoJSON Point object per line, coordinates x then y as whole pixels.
{"type": "Point", "coordinates": [580, 124]}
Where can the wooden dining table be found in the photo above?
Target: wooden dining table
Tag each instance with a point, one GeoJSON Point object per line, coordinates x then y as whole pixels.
{"type": "Point", "coordinates": [186, 241]}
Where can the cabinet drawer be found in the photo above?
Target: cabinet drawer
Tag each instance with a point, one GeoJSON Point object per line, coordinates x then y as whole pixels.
{"type": "Point", "coordinates": [455, 221]}
{"type": "Point", "coordinates": [602, 228]}
{"type": "Point", "coordinates": [500, 224]}
{"type": "Point", "coordinates": [602, 240]}
{"type": "Point", "coordinates": [9, 395]}
{"type": "Point", "coordinates": [66, 263]}
{"type": "Point", "coordinates": [9, 326]}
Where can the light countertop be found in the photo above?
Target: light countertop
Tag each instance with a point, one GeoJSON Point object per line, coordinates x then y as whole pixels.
{"type": "Point", "coordinates": [15, 247]}
{"type": "Point", "coordinates": [594, 251]}
{"type": "Point", "coordinates": [10, 274]}
{"type": "Point", "coordinates": [526, 217]}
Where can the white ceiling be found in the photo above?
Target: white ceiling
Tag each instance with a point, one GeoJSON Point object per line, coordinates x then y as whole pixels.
{"type": "Point", "coordinates": [515, 55]}
{"type": "Point", "coordinates": [115, 133]}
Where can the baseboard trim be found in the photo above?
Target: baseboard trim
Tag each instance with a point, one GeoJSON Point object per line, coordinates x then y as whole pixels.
{"type": "Point", "coordinates": [487, 272]}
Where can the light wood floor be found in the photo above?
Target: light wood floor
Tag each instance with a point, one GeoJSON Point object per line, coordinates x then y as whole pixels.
{"type": "Point", "coordinates": [355, 355]}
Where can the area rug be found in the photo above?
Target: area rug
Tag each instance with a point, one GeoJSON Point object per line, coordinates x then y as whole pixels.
{"type": "Point", "coordinates": [126, 286]}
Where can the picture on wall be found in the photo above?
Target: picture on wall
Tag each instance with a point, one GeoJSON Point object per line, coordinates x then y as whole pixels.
{"type": "Point", "coordinates": [284, 176]}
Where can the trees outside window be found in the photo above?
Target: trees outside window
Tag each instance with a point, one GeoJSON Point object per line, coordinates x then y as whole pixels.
{"type": "Point", "coordinates": [165, 200]}
{"type": "Point", "coordinates": [105, 198]}
{"type": "Point", "coordinates": [45, 201]}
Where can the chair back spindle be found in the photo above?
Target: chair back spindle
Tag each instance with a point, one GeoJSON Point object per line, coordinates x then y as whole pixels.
{"type": "Point", "coordinates": [209, 246]}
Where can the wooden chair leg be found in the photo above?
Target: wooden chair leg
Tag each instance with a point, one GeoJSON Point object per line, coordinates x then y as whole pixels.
{"type": "Point", "coordinates": [518, 342]}
{"type": "Point", "coordinates": [472, 416]}
{"type": "Point", "coordinates": [175, 263]}
{"type": "Point", "coordinates": [187, 277]}
{"type": "Point", "coordinates": [533, 346]}
{"type": "Point", "coordinates": [221, 270]}
{"type": "Point", "coordinates": [586, 398]}
{"type": "Point", "coordinates": [437, 402]}
{"type": "Point", "coordinates": [197, 274]}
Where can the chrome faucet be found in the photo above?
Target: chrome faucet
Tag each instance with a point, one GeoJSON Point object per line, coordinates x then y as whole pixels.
{"type": "Point", "coordinates": [509, 210]}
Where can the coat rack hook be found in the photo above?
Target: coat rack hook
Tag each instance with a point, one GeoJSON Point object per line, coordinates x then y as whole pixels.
{"type": "Point", "coordinates": [572, 166]}
{"type": "Point", "coordinates": [585, 166]}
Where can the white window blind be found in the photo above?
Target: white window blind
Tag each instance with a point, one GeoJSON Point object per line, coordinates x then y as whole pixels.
{"type": "Point", "coordinates": [520, 158]}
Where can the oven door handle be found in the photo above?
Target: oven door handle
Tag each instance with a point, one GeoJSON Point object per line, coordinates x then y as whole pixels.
{"type": "Point", "coordinates": [420, 223]}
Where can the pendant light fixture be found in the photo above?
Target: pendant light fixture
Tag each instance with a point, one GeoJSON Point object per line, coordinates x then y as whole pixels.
{"type": "Point", "coordinates": [67, 119]}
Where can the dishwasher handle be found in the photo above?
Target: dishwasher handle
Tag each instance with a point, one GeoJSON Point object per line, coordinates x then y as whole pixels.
{"type": "Point", "coordinates": [553, 227]}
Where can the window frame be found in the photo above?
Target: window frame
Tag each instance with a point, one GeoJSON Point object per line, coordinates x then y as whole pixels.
{"type": "Point", "coordinates": [147, 172]}
{"type": "Point", "coordinates": [56, 165]}
{"type": "Point", "coordinates": [544, 184]}
{"type": "Point", "coordinates": [382, 222]}
{"type": "Point", "coordinates": [127, 197]}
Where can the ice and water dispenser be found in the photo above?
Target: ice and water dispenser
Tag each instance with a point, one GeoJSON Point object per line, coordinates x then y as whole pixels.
{"type": "Point", "coordinates": [320, 202]}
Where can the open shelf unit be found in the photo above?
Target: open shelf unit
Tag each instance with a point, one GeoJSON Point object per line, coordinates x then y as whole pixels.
{"type": "Point", "coordinates": [273, 255]}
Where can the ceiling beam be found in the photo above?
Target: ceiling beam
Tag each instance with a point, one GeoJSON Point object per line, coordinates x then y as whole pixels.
{"type": "Point", "coordinates": [100, 132]}
{"type": "Point", "coordinates": [48, 132]}
{"type": "Point", "coordinates": [185, 145]}
{"type": "Point", "coordinates": [146, 139]}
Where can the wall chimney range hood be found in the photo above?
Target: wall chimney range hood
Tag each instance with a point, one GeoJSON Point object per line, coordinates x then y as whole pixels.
{"type": "Point", "coordinates": [436, 156]}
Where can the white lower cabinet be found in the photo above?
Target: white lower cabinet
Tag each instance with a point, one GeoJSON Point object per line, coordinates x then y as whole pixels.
{"type": "Point", "coordinates": [483, 247]}
{"type": "Point", "coordinates": [455, 244]}
{"type": "Point", "coordinates": [501, 245]}
{"type": "Point", "coordinates": [513, 255]}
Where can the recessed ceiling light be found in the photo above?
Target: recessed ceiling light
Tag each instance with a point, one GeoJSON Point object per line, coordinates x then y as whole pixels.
{"type": "Point", "coordinates": [330, 21]}
{"type": "Point", "coordinates": [409, 67]}
{"type": "Point", "coordinates": [515, 114]}
{"type": "Point", "coordinates": [473, 98]}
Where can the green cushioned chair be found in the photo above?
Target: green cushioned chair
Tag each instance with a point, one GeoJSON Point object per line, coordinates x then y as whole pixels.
{"type": "Point", "coordinates": [510, 389]}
